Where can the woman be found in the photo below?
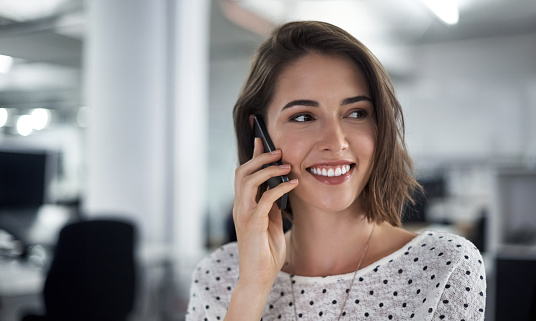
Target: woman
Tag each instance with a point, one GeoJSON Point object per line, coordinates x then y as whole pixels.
{"type": "Point", "coordinates": [332, 113]}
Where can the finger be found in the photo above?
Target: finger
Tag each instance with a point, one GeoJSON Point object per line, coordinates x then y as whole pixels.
{"type": "Point", "coordinates": [272, 195]}
{"type": "Point", "coordinates": [261, 159]}
{"type": "Point", "coordinates": [259, 177]}
{"type": "Point", "coordinates": [275, 228]}
{"type": "Point", "coordinates": [250, 184]}
{"type": "Point", "coordinates": [255, 164]}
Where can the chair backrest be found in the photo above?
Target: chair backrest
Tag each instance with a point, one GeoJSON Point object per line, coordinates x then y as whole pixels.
{"type": "Point", "coordinates": [92, 275]}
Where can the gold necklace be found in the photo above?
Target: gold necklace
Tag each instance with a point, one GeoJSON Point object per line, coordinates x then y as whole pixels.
{"type": "Point", "coordinates": [351, 284]}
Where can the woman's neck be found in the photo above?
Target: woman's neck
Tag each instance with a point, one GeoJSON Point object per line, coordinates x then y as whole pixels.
{"type": "Point", "coordinates": [323, 243]}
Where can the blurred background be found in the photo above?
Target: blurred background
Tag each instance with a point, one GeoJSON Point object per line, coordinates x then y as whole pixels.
{"type": "Point", "coordinates": [121, 110]}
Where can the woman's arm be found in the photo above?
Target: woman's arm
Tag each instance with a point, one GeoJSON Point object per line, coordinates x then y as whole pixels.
{"type": "Point", "coordinates": [464, 296]}
{"type": "Point", "coordinates": [259, 230]}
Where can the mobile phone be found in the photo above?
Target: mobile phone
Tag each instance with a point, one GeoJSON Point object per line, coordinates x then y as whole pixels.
{"type": "Point", "coordinates": [262, 133]}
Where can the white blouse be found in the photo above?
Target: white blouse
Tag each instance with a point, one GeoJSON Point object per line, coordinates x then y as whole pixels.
{"type": "Point", "coordinates": [436, 276]}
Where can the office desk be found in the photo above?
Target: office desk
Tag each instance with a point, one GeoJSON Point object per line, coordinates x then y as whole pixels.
{"type": "Point", "coordinates": [38, 225]}
{"type": "Point", "coordinates": [20, 289]}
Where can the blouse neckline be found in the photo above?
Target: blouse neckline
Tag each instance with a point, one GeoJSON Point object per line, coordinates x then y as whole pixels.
{"type": "Point", "coordinates": [350, 275]}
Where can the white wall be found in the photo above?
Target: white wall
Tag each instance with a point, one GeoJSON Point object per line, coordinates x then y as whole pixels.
{"type": "Point", "coordinates": [472, 98]}
{"type": "Point", "coordinates": [225, 82]}
{"type": "Point", "coordinates": [470, 108]}
{"type": "Point", "coordinates": [231, 52]}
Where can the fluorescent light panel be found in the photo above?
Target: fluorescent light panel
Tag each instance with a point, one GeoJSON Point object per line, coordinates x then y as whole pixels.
{"type": "Point", "coordinates": [3, 117]}
{"type": "Point", "coordinates": [446, 10]}
{"type": "Point", "coordinates": [5, 63]}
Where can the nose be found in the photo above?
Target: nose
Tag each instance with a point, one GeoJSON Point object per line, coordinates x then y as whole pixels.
{"type": "Point", "coordinates": [332, 137]}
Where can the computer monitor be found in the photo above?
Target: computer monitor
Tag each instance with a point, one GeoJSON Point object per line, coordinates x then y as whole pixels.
{"type": "Point", "coordinates": [23, 178]}
{"type": "Point", "coordinates": [515, 297]}
{"type": "Point", "coordinates": [517, 207]}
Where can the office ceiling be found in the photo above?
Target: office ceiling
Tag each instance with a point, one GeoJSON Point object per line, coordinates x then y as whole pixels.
{"type": "Point", "coordinates": [406, 21]}
{"type": "Point", "coordinates": [46, 38]}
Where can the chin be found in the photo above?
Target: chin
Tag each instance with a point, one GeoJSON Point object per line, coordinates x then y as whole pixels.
{"type": "Point", "coordinates": [336, 203]}
{"type": "Point", "coordinates": [335, 207]}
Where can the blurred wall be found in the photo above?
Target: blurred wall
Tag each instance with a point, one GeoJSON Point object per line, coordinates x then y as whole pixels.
{"type": "Point", "coordinates": [472, 99]}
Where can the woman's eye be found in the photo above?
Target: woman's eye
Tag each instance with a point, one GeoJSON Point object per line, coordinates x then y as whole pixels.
{"type": "Point", "coordinates": [358, 114]}
{"type": "Point", "coordinates": [301, 118]}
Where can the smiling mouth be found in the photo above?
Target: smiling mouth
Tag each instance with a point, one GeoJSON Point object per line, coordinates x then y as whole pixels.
{"type": "Point", "coordinates": [330, 171]}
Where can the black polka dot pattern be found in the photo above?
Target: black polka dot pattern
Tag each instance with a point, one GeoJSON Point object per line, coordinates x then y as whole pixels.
{"type": "Point", "coordinates": [437, 276]}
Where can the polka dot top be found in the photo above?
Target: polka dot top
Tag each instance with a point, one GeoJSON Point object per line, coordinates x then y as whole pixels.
{"type": "Point", "coordinates": [436, 276]}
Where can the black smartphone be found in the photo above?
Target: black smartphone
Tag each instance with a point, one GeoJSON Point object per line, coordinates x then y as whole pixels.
{"type": "Point", "coordinates": [262, 133]}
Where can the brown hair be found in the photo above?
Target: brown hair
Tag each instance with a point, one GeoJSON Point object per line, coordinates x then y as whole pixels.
{"type": "Point", "coordinates": [391, 183]}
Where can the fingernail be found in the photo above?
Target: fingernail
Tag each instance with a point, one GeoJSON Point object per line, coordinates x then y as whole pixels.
{"type": "Point", "coordinates": [284, 166]}
{"type": "Point", "coordinates": [294, 181]}
{"type": "Point", "coordinates": [277, 151]}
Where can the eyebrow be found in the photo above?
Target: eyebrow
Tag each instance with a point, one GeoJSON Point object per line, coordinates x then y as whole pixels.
{"type": "Point", "coordinates": [313, 103]}
{"type": "Point", "coordinates": [355, 99]}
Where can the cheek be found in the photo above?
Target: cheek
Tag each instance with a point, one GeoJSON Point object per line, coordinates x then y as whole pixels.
{"type": "Point", "coordinates": [365, 144]}
{"type": "Point", "coordinates": [294, 149]}
{"type": "Point", "coordinates": [369, 145]}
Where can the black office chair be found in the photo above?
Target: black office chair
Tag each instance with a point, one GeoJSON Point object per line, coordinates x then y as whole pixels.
{"type": "Point", "coordinates": [92, 275]}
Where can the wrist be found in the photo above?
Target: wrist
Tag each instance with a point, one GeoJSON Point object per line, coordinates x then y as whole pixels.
{"type": "Point", "coordinates": [255, 288]}
{"type": "Point", "coordinates": [248, 301]}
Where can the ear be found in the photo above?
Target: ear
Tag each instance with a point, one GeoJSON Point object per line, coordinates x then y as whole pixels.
{"type": "Point", "coordinates": [251, 121]}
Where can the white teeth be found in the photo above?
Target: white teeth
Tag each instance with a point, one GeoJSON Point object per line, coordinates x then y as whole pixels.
{"type": "Point", "coordinates": [331, 172]}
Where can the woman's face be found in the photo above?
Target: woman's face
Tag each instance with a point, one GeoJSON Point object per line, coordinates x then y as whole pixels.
{"type": "Point", "coordinates": [322, 118]}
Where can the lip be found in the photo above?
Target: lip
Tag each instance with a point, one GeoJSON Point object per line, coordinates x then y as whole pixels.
{"type": "Point", "coordinates": [331, 163]}
{"type": "Point", "coordinates": [334, 180]}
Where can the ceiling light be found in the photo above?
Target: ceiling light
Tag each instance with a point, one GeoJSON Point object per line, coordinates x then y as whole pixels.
{"type": "Point", "coordinates": [5, 63]}
{"type": "Point", "coordinates": [446, 10]}
{"type": "Point", "coordinates": [29, 9]}
{"type": "Point", "coordinates": [3, 117]}
{"type": "Point", "coordinates": [25, 125]}
{"type": "Point", "coordinates": [40, 118]}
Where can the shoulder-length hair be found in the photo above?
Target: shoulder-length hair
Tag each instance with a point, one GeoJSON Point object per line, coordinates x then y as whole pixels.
{"type": "Point", "coordinates": [391, 183]}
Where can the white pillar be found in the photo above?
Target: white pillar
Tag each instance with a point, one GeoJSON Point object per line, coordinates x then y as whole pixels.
{"type": "Point", "coordinates": [146, 78]}
{"type": "Point", "coordinates": [125, 92]}
{"type": "Point", "coordinates": [146, 71]}
{"type": "Point", "coordinates": [191, 124]}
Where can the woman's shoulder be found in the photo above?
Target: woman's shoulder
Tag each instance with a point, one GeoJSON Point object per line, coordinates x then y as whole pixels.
{"type": "Point", "coordinates": [221, 264]}
{"type": "Point", "coordinates": [445, 248]}
{"type": "Point", "coordinates": [213, 281]}
{"type": "Point", "coordinates": [460, 273]}
{"type": "Point", "coordinates": [449, 242]}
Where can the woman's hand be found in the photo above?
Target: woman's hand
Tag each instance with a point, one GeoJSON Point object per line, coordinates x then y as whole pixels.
{"type": "Point", "coordinates": [258, 222]}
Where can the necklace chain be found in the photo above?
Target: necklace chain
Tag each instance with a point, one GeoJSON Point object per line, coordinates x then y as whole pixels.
{"type": "Point", "coordinates": [351, 284]}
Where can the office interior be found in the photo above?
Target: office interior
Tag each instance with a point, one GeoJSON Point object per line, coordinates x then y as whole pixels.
{"type": "Point", "coordinates": [122, 110]}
